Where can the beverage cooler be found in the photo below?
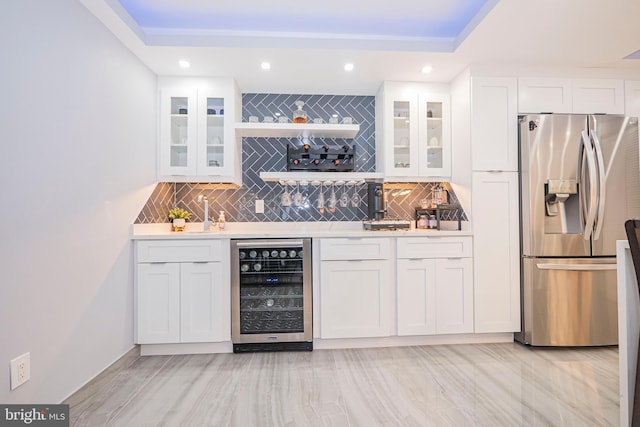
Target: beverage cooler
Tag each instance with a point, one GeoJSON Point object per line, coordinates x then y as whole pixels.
{"type": "Point", "coordinates": [271, 287]}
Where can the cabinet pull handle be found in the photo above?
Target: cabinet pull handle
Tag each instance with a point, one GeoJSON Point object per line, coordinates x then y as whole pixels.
{"type": "Point", "coordinates": [495, 171]}
{"type": "Point", "coordinates": [454, 257]}
{"type": "Point", "coordinates": [158, 262]}
{"type": "Point", "coordinates": [201, 262]}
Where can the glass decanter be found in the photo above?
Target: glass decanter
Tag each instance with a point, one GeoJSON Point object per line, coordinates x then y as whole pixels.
{"type": "Point", "coordinates": [299, 115]}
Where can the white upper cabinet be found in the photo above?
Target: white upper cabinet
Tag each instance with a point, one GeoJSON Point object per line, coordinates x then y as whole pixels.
{"type": "Point", "coordinates": [632, 98]}
{"type": "Point", "coordinates": [494, 124]}
{"type": "Point", "coordinates": [544, 95]}
{"type": "Point", "coordinates": [413, 131]}
{"type": "Point", "coordinates": [197, 130]}
{"type": "Point", "coordinates": [578, 96]}
{"type": "Point", "coordinates": [593, 96]}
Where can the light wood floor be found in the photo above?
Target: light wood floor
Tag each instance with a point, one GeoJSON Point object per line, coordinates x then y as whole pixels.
{"type": "Point", "coordinates": [449, 385]}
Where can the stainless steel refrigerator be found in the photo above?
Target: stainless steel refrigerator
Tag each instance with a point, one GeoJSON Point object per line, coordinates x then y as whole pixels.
{"type": "Point", "coordinates": [579, 182]}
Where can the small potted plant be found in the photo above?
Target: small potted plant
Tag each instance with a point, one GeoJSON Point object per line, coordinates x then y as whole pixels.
{"type": "Point", "coordinates": [178, 217]}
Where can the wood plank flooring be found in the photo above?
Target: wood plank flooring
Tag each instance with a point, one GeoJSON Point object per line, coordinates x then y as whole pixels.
{"type": "Point", "coordinates": [450, 385]}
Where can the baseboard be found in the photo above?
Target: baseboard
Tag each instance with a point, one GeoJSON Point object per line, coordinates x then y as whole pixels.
{"type": "Point", "coordinates": [327, 344]}
{"type": "Point", "coordinates": [82, 394]}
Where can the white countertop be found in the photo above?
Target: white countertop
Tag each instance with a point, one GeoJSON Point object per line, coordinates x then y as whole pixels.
{"type": "Point", "coordinates": [247, 230]}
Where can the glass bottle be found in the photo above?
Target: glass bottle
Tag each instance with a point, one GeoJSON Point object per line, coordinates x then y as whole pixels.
{"type": "Point", "coordinates": [222, 221]}
{"type": "Point", "coordinates": [299, 115]}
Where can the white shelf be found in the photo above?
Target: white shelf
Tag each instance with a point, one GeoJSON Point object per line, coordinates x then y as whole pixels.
{"type": "Point", "coordinates": [296, 130]}
{"type": "Point", "coordinates": [320, 176]}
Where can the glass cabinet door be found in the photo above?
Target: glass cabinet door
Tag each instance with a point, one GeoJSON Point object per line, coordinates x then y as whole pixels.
{"type": "Point", "coordinates": [401, 135]}
{"type": "Point", "coordinates": [179, 132]}
{"type": "Point", "coordinates": [434, 137]}
{"type": "Point", "coordinates": [215, 133]}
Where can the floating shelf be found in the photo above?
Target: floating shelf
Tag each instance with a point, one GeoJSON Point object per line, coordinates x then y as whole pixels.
{"type": "Point", "coordinates": [321, 176]}
{"type": "Point", "coordinates": [296, 130]}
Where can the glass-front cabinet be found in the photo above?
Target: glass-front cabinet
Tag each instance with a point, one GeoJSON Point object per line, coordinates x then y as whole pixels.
{"type": "Point", "coordinates": [197, 135]}
{"type": "Point", "coordinates": [413, 128]}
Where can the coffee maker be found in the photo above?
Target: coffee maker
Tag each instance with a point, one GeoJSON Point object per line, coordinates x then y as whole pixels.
{"type": "Point", "coordinates": [377, 211]}
{"type": "Point", "coordinates": [376, 207]}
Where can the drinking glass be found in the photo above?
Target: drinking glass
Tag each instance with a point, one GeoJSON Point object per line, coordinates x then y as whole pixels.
{"type": "Point", "coordinates": [344, 198]}
{"type": "Point", "coordinates": [285, 198]}
{"type": "Point", "coordinates": [332, 200]}
{"type": "Point", "coordinates": [320, 202]}
{"type": "Point", "coordinates": [297, 198]}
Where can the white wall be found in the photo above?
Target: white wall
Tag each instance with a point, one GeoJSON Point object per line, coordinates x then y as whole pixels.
{"type": "Point", "coordinates": [77, 162]}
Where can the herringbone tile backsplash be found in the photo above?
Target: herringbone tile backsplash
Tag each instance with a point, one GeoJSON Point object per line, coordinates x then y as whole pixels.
{"type": "Point", "coordinates": [269, 154]}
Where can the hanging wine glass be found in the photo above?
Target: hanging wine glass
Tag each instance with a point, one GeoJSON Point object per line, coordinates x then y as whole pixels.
{"type": "Point", "coordinates": [333, 201]}
{"type": "Point", "coordinates": [344, 198]}
{"type": "Point", "coordinates": [285, 198]}
{"type": "Point", "coordinates": [297, 198]}
{"type": "Point", "coordinates": [355, 199]}
{"type": "Point", "coordinates": [320, 202]}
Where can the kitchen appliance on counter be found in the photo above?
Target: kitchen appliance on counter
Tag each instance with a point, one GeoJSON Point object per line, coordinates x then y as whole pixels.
{"type": "Point", "coordinates": [377, 211]}
{"type": "Point", "coordinates": [271, 295]}
{"type": "Point", "coordinates": [579, 182]}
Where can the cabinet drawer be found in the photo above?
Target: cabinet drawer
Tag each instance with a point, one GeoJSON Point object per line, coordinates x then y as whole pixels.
{"type": "Point", "coordinates": [354, 249]}
{"type": "Point", "coordinates": [434, 247]}
{"type": "Point", "coordinates": [179, 250]}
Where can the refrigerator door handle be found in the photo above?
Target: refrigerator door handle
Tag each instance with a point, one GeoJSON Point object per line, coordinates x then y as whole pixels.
{"type": "Point", "coordinates": [599, 220]}
{"type": "Point", "coordinates": [577, 267]}
{"type": "Point", "coordinates": [587, 213]}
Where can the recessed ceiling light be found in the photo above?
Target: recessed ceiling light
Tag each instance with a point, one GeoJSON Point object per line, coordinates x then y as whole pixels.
{"type": "Point", "coordinates": [265, 66]}
{"type": "Point", "coordinates": [184, 63]}
{"type": "Point", "coordinates": [348, 67]}
{"type": "Point", "coordinates": [427, 69]}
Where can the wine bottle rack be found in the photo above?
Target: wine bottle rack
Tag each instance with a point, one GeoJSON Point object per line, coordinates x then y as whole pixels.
{"type": "Point", "coordinates": [321, 158]}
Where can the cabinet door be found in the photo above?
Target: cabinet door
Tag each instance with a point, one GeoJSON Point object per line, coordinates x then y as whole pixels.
{"type": "Point", "coordinates": [496, 251]}
{"type": "Point", "coordinates": [400, 137]}
{"type": "Point", "coordinates": [416, 294]}
{"type": "Point", "coordinates": [544, 95]}
{"type": "Point", "coordinates": [632, 98]}
{"type": "Point", "coordinates": [158, 303]}
{"type": "Point", "coordinates": [215, 142]}
{"type": "Point", "coordinates": [494, 124]}
{"type": "Point", "coordinates": [434, 135]}
{"type": "Point", "coordinates": [355, 299]}
{"type": "Point", "coordinates": [454, 296]}
{"type": "Point", "coordinates": [593, 96]}
{"type": "Point", "coordinates": [178, 132]}
{"type": "Point", "coordinates": [204, 303]}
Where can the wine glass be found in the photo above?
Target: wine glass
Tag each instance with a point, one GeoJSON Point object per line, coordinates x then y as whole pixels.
{"type": "Point", "coordinates": [344, 198]}
{"type": "Point", "coordinates": [320, 202]}
{"type": "Point", "coordinates": [332, 199]}
{"type": "Point", "coordinates": [355, 199]}
{"type": "Point", "coordinates": [297, 198]}
{"type": "Point", "coordinates": [285, 198]}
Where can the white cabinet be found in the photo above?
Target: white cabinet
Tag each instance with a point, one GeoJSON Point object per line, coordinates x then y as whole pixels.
{"type": "Point", "coordinates": [434, 285]}
{"type": "Point", "coordinates": [494, 124]}
{"type": "Point", "coordinates": [578, 96]}
{"type": "Point", "coordinates": [496, 251]}
{"type": "Point", "coordinates": [197, 130]}
{"type": "Point", "coordinates": [544, 95]}
{"type": "Point", "coordinates": [182, 291]}
{"type": "Point", "coordinates": [413, 131]}
{"type": "Point", "coordinates": [356, 288]}
{"type": "Point", "coordinates": [592, 96]}
{"type": "Point", "coordinates": [632, 98]}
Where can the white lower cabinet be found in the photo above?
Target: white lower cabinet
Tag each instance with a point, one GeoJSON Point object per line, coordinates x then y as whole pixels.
{"type": "Point", "coordinates": [434, 295]}
{"type": "Point", "coordinates": [182, 302]}
{"type": "Point", "coordinates": [356, 288]}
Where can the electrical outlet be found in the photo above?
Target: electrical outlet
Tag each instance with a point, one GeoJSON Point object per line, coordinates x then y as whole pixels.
{"type": "Point", "coordinates": [259, 206]}
{"type": "Point", "coordinates": [20, 370]}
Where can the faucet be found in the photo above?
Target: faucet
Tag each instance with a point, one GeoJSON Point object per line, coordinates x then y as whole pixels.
{"type": "Point", "coordinates": [207, 223]}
